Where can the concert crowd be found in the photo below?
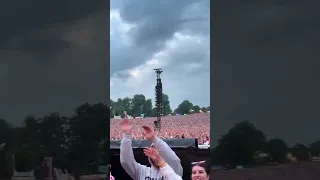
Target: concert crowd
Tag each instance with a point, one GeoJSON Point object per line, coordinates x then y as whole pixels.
{"type": "Point", "coordinates": [195, 126]}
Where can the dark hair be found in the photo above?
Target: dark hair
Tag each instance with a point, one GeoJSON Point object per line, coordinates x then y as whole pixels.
{"type": "Point", "coordinates": [205, 165]}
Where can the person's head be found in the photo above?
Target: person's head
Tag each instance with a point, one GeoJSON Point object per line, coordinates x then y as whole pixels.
{"type": "Point", "coordinates": [200, 170]}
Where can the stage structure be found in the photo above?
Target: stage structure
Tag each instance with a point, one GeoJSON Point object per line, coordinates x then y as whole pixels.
{"type": "Point", "coordinates": [158, 100]}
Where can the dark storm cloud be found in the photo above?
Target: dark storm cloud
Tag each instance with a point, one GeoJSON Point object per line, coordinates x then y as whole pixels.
{"type": "Point", "coordinates": [53, 56]}
{"type": "Point", "coordinates": [34, 43]}
{"type": "Point", "coordinates": [18, 16]}
{"type": "Point", "coordinates": [267, 68]}
{"type": "Point", "coordinates": [157, 21]}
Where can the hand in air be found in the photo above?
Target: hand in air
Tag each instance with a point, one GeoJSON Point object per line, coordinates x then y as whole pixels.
{"type": "Point", "coordinates": [148, 133]}
{"type": "Point", "coordinates": [126, 126]}
{"type": "Point", "coordinates": [152, 154]}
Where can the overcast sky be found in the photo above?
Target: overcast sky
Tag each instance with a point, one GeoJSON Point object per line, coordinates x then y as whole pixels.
{"type": "Point", "coordinates": [172, 35]}
{"type": "Point", "coordinates": [53, 56]}
{"type": "Point", "coordinates": [266, 67]}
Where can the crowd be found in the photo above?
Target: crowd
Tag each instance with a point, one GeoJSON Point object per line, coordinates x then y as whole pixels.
{"type": "Point", "coordinates": [195, 126]}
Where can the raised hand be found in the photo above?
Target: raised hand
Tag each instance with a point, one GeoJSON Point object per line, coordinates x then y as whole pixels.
{"type": "Point", "coordinates": [152, 154]}
{"type": "Point", "coordinates": [148, 133]}
{"type": "Point", "coordinates": [126, 126]}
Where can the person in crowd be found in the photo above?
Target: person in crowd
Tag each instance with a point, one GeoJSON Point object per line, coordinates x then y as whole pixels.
{"type": "Point", "coordinates": [142, 172]}
{"type": "Point", "coordinates": [200, 170]}
{"type": "Point", "coordinates": [172, 127]}
{"type": "Point", "coordinates": [155, 159]}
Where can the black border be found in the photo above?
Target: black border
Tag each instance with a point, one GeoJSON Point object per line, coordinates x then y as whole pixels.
{"type": "Point", "coordinates": [107, 38]}
{"type": "Point", "coordinates": [212, 80]}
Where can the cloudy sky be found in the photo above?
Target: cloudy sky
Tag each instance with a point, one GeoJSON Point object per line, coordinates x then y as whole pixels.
{"type": "Point", "coordinates": [53, 56]}
{"type": "Point", "coordinates": [265, 67]}
{"type": "Point", "coordinates": [172, 35]}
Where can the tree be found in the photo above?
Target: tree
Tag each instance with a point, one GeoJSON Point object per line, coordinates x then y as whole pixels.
{"type": "Point", "coordinates": [138, 101]}
{"type": "Point", "coordinates": [277, 149]}
{"type": "Point", "coordinates": [184, 107]}
{"type": "Point", "coordinates": [239, 145]}
{"type": "Point", "coordinates": [4, 140]}
{"type": "Point", "coordinates": [4, 131]}
{"type": "Point", "coordinates": [118, 106]}
{"type": "Point", "coordinates": [72, 141]}
{"type": "Point", "coordinates": [204, 109]}
{"type": "Point", "coordinates": [196, 109]}
{"type": "Point", "coordinates": [126, 105]}
{"type": "Point", "coordinates": [315, 148]}
{"type": "Point", "coordinates": [27, 144]}
{"type": "Point", "coordinates": [112, 105]}
{"type": "Point", "coordinates": [213, 156]}
{"type": "Point", "coordinates": [147, 108]}
{"type": "Point", "coordinates": [301, 152]}
{"type": "Point", "coordinates": [166, 105]}
{"type": "Point", "coordinates": [54, 139]}
{"type": "Point", "coordinates": [87, 131]}
{"type": "Point", "coordinates": [154, 112]}
{"type": "Point", "coordinates": [138, 105]}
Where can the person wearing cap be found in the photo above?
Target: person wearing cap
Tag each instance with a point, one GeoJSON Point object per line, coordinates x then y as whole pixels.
{"type": "Point", "coordinates": [141, 172]}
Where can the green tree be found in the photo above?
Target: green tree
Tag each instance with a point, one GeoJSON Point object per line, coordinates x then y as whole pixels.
{"type": "Point", "coordinates": [126, 105]}
{"type": "Point", "coordinates": [72, 141]}
{"type": "Point", "coordinates": [184, 107]}
{"type": "Point", "coordinates": [154, 112]}
{"type": "Point", "coordinates": [315, 148]}
{"type": "Point", "coordinates": [87, 131]}
{"type": "Point", "coordinates": [112, 105]}
{"type": "Point", "coordinates": [4, 131]}
{"type": "Point", "coordinates": [239, 145]}
{"type": "Point", "coordinates": [53, 128]}
{"type": "Point", "coordinates": [166, 105]}
{"type": "Point", "coordinates": [118, 107]}
{"type": "Point", "coordinates": [204, 109]}
{"type": "Point", "coordinates": [196, 109]}
{"type": "Point", "coordinates": [29, 144]}
{"type": "Point", "coordinates": [4, 140]}
{"type": "Point", "coordinates": [137, 105]}
{"type": "Point", "coordinates": [138, 101]}
{"type": "Point", "coordinates": [301, 152]}
{"type": "Point", "coordinates": [277, 149]}
{"type": "Point", "coordinates": [147, 108]}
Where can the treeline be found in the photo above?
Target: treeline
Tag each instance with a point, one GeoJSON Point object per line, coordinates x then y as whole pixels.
{"type": "Point", "coordinates": [140, 105]}
{"type": "Point", "coordinates": [77, 143]}
{"type": "Point", "coordinates": [244, 145]}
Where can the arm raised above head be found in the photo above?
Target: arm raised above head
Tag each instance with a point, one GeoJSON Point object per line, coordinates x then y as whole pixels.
{"type": "Point", "coordinates": [168, 155]}
{"type": "Point", "coordinates": [127, 160]}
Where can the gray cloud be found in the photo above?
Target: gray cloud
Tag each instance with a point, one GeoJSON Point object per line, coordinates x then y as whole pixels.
{"type": "Point", "coordinates": [266, 68]}
{"type": "Point", "coordinates": [175, 35]}
{"type": "Point", "coordinates": [53, 57]}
